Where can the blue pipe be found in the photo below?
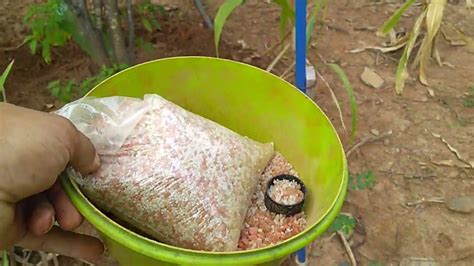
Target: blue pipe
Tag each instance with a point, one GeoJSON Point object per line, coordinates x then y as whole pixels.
{"type": "Point", "coordinates": [300, 36]}
{"type": "Point", "coordinates": [300, 78]}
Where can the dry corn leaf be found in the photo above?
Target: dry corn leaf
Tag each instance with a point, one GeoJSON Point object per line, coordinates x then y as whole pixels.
{"type": "Point", "coordinates": [378, 48]}
{"type": "Point", "coordinates": [402, 73]}
{"type": "Point", "coordinates": [435, 51]}
{"type": "Point", "coordinates": [469, 4]}
{"type": "Point", "coordinates": [434, 17]}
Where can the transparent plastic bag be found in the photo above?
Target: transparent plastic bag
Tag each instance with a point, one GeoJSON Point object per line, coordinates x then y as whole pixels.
{"type": "Point", "coordinates": [178, 177]}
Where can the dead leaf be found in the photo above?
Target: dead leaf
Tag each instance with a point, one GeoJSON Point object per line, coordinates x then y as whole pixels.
{"type": "Point", "coordinates": [452, 36]}
{"type": "Point", "coordinates": [431, 92]}
{"type": "Point", "coordinates": [387, 49]}
{"type": "Point", "coordinates": [370, 78]}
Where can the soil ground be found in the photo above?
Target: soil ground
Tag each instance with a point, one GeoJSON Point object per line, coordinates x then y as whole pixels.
{"type": "Point", "coordinates": [398, 222]}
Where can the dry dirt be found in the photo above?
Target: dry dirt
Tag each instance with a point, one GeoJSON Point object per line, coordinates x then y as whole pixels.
{"type": "Point", "coordinates": [396, 223]}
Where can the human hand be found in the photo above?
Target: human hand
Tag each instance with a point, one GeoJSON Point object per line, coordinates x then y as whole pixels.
{"type": "Point", "coordinates": [35, 148]}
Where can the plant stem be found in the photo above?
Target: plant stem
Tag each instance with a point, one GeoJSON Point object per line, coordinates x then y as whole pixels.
{"type": "Point", "coordinates": [131, 32]}
{"type": "Point", "coordinates": [85, 28]}
{"type": "Point", "coordinates": [118, 42]}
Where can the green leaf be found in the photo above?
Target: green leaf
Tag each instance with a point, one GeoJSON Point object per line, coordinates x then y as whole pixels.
{"type": "Point", "coordinates": [5, 261]}
{"type": "Point", "coordinates": [55, 83]}
{"type": "Point", "coordinates": [313, 19]}
{"type": "Point", "coordinates": [393, 20]}
{"type": "Point", "coordinates": [348, 87]}
{"type": "Point", "coordinates": [5, 74]}
{"type": "Point", "coordinates": [287, 14]}
{"type": "Point", "coordinates": [222, 14]}
{"type": "Point", "coordinates": [147, 24]}
{"type": "Point", "coordinates": [32, 45]}
{"type": "Point", "coordinates": [55, 91]}
{"type": "Point", "coordinates": [46, 51]}
{"type": "Point", "coordinates": [343, 223]}
{"type": "Point", "coordinates": [156, 24]}
{"type": "Point", "coordinates": [362, 181]}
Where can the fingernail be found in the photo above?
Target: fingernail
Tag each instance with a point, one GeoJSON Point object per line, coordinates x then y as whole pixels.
{"type": "Point", "coordinates": [50, 225]}
{"type": "Point", "coordinates": [96, 162]}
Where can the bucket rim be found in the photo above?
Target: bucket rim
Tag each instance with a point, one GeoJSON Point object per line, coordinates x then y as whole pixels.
{"type": "Point", "coordinates": [160, 251]}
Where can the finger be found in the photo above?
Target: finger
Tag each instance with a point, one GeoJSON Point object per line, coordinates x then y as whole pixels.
{"type": "Point", "coordinates": [66, 214]}
{"type": "Point", "coordinates": [65, 243]}
{"type": "Point", "coordinates": [41, 216]}
{"type": "Point", "coordinates": [83, 156]}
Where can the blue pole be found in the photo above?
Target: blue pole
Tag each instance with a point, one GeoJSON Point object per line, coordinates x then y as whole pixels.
{"type": "Point", "coordinates": [300, 36]}
{"type": "Point", "coordinates": [300, 79]}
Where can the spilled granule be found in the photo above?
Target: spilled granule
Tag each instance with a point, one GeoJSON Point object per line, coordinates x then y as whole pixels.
{"type": "Point", "coordinates": [261, 227]}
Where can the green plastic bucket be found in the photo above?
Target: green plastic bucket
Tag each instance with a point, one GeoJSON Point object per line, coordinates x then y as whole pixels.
{"type": "Point", "coordinates": [254, 103]}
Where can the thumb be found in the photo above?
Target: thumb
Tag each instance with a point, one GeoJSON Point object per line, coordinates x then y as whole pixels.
{"type": "Point", "coordinates": [83, 156]}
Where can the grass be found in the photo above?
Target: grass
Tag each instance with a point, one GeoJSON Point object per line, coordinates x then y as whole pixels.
{"type": "Point", "coordinates": [469, 99]}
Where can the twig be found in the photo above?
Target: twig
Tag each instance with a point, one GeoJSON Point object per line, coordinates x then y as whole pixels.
{"type": "Point", "coordinates": [334, 98]}
{"type": "Point", "coordinates": [367, 140]}
{"type": "Point", "coordinates": [423, 200]}
{"type": "Point", "coordinates": [287, 70]}
{"type": "Point", "coordinates": [277, 44]}
{"type": "Point", "coordinates": [131, 32]}
{"type": "Point", "coordinates": [277, 58]}
{"type": "Point", "coordinates": [202, 10]}
{"type": "Point", "coordinates": [12, 48]}
{"type": "Point", "coordinates": [347, 247]}
{"type": "Point", "coordinates": [452, 149]}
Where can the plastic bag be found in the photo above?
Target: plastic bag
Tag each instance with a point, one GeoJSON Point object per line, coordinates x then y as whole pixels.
{"type": "Point", "coordinates": [178, 177]}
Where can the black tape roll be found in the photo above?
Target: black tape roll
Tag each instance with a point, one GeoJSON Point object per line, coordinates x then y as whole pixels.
{"type": "Point", "coordinates": [276, 207]}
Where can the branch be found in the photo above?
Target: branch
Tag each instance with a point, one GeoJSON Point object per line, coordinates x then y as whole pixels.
{"type": "Point", "coordinates": [86, 30]}
{"type": "Point", "coordinates": [131, 32]}
{"type": "Point", "coordinates": [118, 41]}
{"type": "Point", "coordinates": [347, 247]}
{"type": "Point", "coordinates": [202, 10]}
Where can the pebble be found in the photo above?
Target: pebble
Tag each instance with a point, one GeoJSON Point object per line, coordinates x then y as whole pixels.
{"type": "Point", "coordinates": [462, 204]}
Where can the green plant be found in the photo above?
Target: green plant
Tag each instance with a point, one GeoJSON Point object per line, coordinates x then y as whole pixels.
{"type": "Point", "coordinates": [3, 79]}
{"type": "Point", "coordinates": [95, 25]}
{"type": "Point", "coordinates": [343, 223]}
{"type": "Point", "coordinates": [361, 181]}
{"type": "Point", "coordinates": [4, 258]}
{"type": "Point", "coordinates": [469, 99]}
{"type": "Point", "coordinates": [148, 12]}
{"type": "Point", "coordinates": [49, 27]}
{"type": "Point", "coordinates": [66, 91]}
{"type": "Point", "coordinates": [221, 17]}
{"type": "Point", "coordinates": [374, 263]}
{"type": "Point", "coordinates": [352, 100]}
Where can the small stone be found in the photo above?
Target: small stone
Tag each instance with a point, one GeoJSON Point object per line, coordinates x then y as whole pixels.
{"type": "Point", "coordinates": [370, 78]}
{"type": "Point", "coordinates": [49, 105]}
{"type": "Point", "coordinates": [462, 204]}
{"type": "Point", "coordinates": [453, 174]}
{"type": "Point", "coordinates": [374, 132]}
{"type": "Point", "coordinates": [386, 142]}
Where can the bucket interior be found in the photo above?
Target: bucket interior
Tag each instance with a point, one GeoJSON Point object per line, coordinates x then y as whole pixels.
{"type": "Point", "coordinates": [253, 103]}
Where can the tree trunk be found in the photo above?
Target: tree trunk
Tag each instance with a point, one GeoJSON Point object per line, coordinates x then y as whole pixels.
{"type": "Point", "coordinates": [131, 32]}
{"type": "Point", "coordinates": [85, 28]}
{"type": "Point", "coordinates": [97, 9]}
{"type": "Point", "coordinates": [113, 21]}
